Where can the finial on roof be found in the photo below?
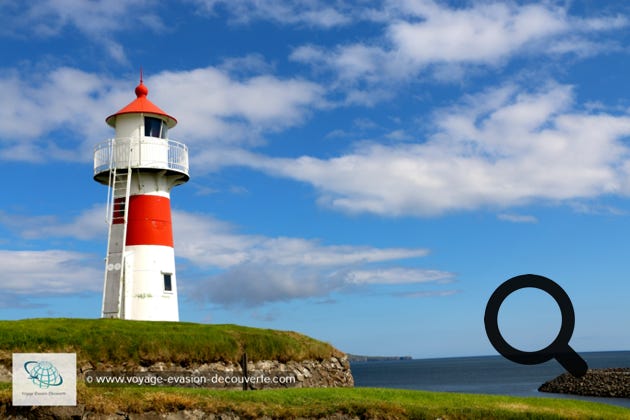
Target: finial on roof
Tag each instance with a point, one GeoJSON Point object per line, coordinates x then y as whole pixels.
{"type": "Point", "coordinates": [141, 89]}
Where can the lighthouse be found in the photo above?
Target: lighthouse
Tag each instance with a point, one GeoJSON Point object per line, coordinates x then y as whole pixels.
{"type": "Point", "coordinates": [140, 165]}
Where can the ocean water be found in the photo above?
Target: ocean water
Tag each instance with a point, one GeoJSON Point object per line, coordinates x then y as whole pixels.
{"type": "Point", "coordinates": [479, 375]}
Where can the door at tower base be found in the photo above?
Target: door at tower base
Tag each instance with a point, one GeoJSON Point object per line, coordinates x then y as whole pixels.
{"type": "Point", "coordinates": [150, 284]}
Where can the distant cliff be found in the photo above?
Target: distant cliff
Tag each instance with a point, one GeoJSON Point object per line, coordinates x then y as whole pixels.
{"type": "Point", "coordinates": [358, 358]}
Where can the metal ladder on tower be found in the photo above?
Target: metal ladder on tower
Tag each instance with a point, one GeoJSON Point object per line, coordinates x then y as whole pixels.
{"type": "Point", "coordinates": [117, 206]}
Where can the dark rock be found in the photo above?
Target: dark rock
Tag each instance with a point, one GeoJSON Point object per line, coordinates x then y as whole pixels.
{"type": "Point", "coordinates": [611, 383]}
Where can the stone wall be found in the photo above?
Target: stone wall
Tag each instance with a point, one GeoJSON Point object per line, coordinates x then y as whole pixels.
{"type": "Point", "coordinates": [332, 372]}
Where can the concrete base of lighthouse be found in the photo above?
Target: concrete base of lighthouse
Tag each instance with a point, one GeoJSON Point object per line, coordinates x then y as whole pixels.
{"type": "Point", "coordinates": [150, 289]}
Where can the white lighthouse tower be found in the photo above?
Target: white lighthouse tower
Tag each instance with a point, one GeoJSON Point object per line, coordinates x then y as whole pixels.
{"type": "Point", "coordinates": [140, 165]}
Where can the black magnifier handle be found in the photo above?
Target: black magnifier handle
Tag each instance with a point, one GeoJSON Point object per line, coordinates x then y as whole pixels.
{"type": "Point", "coordinates": [572, 362]}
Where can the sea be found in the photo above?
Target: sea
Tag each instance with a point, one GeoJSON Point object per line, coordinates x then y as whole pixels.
{"type": "Point", "coordinates": [480, 375]}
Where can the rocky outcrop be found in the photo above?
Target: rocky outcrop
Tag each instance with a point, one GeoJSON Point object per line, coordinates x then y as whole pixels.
{"type": "Point", "coordinates": [265, 374]}
{"type": "Point", "coordinates": [5, 373]}
{"type": "Point", "coordinates": [612, 383]}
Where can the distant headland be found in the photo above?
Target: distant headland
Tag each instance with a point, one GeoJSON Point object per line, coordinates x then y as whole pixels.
{"type": "Point", "coordinates": [358, 358]}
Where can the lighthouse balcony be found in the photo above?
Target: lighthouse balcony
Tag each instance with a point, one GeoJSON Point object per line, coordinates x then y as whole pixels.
{"type": "Point", "coordinates": [149, 153]}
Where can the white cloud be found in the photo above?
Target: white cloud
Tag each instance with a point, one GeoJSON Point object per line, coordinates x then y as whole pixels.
{"type": "Point", "coordinates": [258, 269]}
{"type": "Point", "coordinates": [597, 208]}
{"type": "Point", "coordinates": [424, 35]}
{"type": "Point", "coordinates": [96, 19]}
{"type": "Point", "coordinates": [257, 284]}
{"type": "Point", "coordinates": [89, 224]}
{"type": "Point", "coordinates": [249, 269]}
{"type": "Point", "coordinates": [428, 293]}
{"type": "Point", "coordinates": [350, 62]}
{"type": "Point", "coordinates": [517, 218]}
{"type": "Point", "coordinates": [252, 285]}
{"type": "Point", "coordinates": [211, 105]}
{"type": "Point", "coordinates": [65, 98]}
{"type": "Point", "coordinates": [304, 12]}
{"type": "Point", "coordinates": [501, 148]}
{"type": "Point", "coordinates": [397, 275]}
{"type": "Point", "coordinates": [211, 243]}
{"type": "Point", "coordinates": [398, 135]}
{"type": "Point", "coordinates": [252, 63]}
{"type": "Point", "coordinates": [483, 33]}
{"type": "Point", "coordinates": [208, 242]}
{"type": "Point", "coordinates": [50, 272]}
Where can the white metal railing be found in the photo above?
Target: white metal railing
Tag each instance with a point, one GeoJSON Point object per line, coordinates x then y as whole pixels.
{"type": "Point", "coordinates": [143, 152]}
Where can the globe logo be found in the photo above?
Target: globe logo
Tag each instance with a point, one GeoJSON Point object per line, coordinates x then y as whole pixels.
{"type": "Point", "coordinates": [43, 374]}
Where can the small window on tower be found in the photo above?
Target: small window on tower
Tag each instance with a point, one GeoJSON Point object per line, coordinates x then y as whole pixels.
{"type": "Point", "coordinates": [155, 127]}
{"type": "Point", "coordinates": [168, 285]}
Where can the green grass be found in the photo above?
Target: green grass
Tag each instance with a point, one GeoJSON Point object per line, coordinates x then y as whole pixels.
{"type": "Point", "coordinates": [116, 341]}
{"type": "Point", "coordinates": [320, 402]}
{"type": "Point", "coordinates": [145, 342]}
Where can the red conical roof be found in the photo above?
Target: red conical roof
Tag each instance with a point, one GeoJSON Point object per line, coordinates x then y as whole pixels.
{"type": "Point", "coordinates": [141, 105]}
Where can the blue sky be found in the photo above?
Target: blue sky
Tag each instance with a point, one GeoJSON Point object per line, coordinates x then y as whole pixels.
{"type": "Point", "coordinates": [363, 172]}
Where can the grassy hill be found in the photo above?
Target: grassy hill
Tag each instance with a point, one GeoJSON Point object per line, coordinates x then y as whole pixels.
{"type": "Point", "coordinates": [146, 342]}
{"type": "Point", "coordinates": [140, 342]}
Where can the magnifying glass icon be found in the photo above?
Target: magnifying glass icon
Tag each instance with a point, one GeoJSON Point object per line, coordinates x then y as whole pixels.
{"type": "Point", "coordinates": [559, 348]}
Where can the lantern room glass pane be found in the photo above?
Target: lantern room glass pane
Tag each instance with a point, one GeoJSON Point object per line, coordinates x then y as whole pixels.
{"type": "Point", "coordinates": [155, 127]}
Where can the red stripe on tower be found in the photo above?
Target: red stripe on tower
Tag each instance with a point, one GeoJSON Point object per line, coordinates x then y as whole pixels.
{"type": "Point", "coordinates": [149, 221]}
